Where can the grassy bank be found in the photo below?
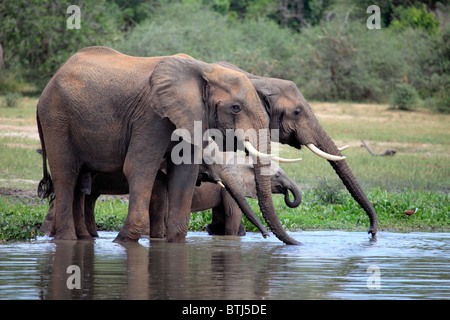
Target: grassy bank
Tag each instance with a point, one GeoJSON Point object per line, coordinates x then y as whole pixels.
{"type": "Point", "coordinates": [417, 176]}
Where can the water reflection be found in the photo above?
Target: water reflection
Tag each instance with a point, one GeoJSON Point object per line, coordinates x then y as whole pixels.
{"type": "Point", "coordinates": [328, 265]}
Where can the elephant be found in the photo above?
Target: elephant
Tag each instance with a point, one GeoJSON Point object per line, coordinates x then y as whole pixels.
{"type": "Point", "coordinates": [107, 112]}
{"type": "Point", "coordinates": [297, 126]}
{"type": "Point", "coordinates": [208, 194]}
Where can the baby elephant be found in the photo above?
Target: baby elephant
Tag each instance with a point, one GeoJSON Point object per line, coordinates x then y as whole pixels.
{"type": "Point", "coordinates": [226, 214]}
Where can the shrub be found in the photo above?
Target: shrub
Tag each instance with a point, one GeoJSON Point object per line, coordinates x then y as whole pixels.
{"type": "Point", "coordinates": [12, 100]}
{"type": "Point", "coordinates": [404, 97]}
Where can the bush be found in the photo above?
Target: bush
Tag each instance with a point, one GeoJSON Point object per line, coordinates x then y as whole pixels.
{"type": "Point", "coordinates": [12, 100]}
{"type": "Point", "coordinates": [404, 97]}
{"type": "Point", "coordinates": [19, 221]}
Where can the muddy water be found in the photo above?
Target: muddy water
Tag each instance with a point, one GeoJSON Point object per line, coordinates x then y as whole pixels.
{"type": "Point", "coordinates": [328, 265]}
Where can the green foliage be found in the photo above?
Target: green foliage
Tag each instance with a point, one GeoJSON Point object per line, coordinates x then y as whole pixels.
{"type": "Point", "coordinates": [110, 215]}
{"type": "Point", "coordinates": [415, 17]}
{"type": "Point", "coordinates": [34, 34]}
{"type": "Point", "coordinates": [329, 192]}
{"type": "Point", "coordinates": [12, 100]}
{"type": "Point", "coordinates": [19, 221]}
{"type": "Point", "coordinates": [404, 97]}
{"type": "Point", "coordinates": [334, 57]}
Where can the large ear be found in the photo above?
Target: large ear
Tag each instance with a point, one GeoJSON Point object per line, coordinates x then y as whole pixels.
{"type": "Point", "coordinates": [177, 91]}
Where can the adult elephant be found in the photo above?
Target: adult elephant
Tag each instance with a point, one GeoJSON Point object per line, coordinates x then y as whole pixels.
{"type": "Point", "coordinates": [104, 111]}
{"type": "Point", "coordinates": [290, 113]}
{"type": "Point", "coordinates": [218, 178]}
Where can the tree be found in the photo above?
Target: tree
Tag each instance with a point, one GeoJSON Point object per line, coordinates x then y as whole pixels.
{"type": "Point", "coordinates": [35, 35]}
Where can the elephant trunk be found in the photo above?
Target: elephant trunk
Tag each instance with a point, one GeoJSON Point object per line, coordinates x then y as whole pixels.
{"type": "Point", "coordinates": [297, 196]}
{"type": "Point", "coordinates": [264, 193]}
{"type": "Point", "coordinates": [232, 187]}
{"type": "Point", "coordinates": [345, 174]}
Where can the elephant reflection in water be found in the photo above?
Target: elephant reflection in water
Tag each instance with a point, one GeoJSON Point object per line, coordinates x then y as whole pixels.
{"type": "Point", "coordinates": [159, 271]}
{"type": "Point", "coordinates": [226, 211]}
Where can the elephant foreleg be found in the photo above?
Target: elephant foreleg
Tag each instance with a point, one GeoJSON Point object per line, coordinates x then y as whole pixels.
{"type": "Point", "coordinates": [89, 213]}
{"type": "Point", "coordinates": [159, 207]}
{"type": "Point", "coordinates": [182, 180]}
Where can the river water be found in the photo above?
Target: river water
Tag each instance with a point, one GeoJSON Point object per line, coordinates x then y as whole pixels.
{"type": "Point", "coordinates": [328, 265]}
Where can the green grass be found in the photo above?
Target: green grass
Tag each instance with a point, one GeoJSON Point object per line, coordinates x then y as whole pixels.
{"type": "Point", "coordinates": [418, 176]}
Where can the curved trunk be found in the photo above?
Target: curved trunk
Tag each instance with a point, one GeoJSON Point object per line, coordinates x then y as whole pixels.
{"type": "Point", "coordinates": [325, 143]}
{"type": "Point", "coordinates": [239, 197]}
{"type": "Point", "coordinates": [297, 197]}
{"type": "Point", "coordinates": [264, 193]}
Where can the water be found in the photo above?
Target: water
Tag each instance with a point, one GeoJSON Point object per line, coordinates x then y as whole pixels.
{"type": "Point", "coordinates": [328, 265]}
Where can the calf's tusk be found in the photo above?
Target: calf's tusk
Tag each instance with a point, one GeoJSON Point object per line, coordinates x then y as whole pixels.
{"type": "Point", "coordinates": [322, 154]}
{"type": "Point", "coordinates": [220, 184]}
{"type": "Point", "coordinates": [343, 148]}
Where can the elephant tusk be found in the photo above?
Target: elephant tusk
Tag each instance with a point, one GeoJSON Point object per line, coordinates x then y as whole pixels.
{"type": "Point", "coordinates": [255, 152]}
{"type": "Point", "coordinates": [322, 154]}
{"type": "Point", "coordinates": [283, 160]}
{"type": "Point", "coordinates": [220, 183]}
{"type": "Point", "coordinates": [343, 148]}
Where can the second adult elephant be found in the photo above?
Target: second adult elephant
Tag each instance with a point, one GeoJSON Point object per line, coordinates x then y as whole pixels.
{"type": "Point", "coordinates": [104, 111]}
{"type": "Point", "coordinates": [291, 115]}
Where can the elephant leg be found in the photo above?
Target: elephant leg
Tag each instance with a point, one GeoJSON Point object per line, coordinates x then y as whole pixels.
{"type": "Point", "coordinates": [233, 215]}
{"type": "Point", "coordinates": [140, 168]}
{"type": "Point", "coordinates": [182, 180]}
{"type": "Point", "coordinates": [159, 207]}
{"type": "Point", "coordinates": [79, 216]}
{"type": "Point", "coordinates": [89, 213]}
{"type": "Point", "coordinates": [46, 226]}
{"type": "Point", "coordinates": [63, 226]}
{"type": "Point", "coordinates": [217, 225]}
{"type": "Point", "coordinates": [65, 175]}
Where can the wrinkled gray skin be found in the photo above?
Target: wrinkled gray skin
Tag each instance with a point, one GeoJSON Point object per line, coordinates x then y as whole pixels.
{"type": "Point", "coordinates": [227, 212]}
{"type": "Point", "coordinates": [290, 113]}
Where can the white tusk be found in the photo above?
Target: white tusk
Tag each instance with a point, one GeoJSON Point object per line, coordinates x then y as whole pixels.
{"type": "Point", "coordinates": [255, 152]}
{"type": "Point", "coordinates": [343, 148]}
{"type": "Point", "coordinates": [322, 154]}
{"type": "Point", "coordinates": [220, 184]}
{"type": "Point", "coordinates": [283, 160]}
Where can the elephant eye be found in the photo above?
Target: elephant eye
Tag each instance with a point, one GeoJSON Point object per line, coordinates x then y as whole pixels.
{"type": "Point", "coordinates": [297, 112]}
{"type": "Point", "coordinates": [235, 108]}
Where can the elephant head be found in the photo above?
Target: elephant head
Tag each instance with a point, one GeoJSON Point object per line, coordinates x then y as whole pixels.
{"type": "Point", "coordinates": [184, 90]}
{"type": "Point", "coordinates": [290, 113]}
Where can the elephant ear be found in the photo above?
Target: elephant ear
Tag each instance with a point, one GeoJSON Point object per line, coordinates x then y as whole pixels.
{"type": "Point", "coordinates": [179, 90]}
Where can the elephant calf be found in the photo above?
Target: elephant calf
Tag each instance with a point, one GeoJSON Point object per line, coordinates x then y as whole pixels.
{"type": "Point", "coordinates": [227, 214]}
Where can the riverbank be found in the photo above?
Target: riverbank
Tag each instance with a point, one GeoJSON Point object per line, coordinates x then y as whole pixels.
{"type": "Point", "coordinates": [21, 214]}
{"type": "Point", "coordinates": [416, 176]}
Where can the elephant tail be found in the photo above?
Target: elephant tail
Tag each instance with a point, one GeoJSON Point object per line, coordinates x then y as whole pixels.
{"type": "Point", "coordinates": [45, 187]}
